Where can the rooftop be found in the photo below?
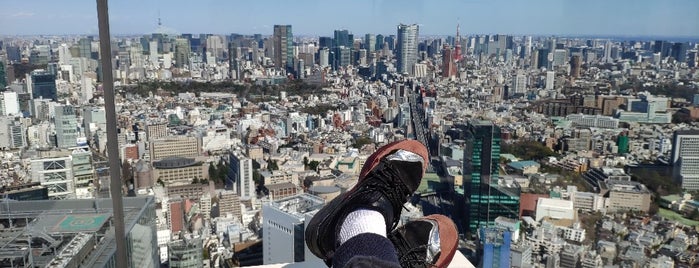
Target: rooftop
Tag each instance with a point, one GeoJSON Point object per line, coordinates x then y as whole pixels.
{"type": "Point", "coordinates": [299, 204]}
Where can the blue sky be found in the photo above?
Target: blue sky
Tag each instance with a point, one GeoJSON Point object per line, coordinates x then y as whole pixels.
{"type": "Point", "coordinates": [321, 17]}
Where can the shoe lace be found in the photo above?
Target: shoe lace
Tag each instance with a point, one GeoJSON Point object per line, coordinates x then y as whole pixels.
{"type": "Point", "coordinates": [411, 257]}
{"type": "Point", "coordinates": [389, 184]}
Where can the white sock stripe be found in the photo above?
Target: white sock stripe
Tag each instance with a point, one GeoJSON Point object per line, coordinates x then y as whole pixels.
{"type": "Point", "coordinates": [362, 221]}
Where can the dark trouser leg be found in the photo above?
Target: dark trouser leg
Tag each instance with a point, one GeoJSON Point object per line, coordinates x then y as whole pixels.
{"type": "Point", "coordinates": [366, 250]}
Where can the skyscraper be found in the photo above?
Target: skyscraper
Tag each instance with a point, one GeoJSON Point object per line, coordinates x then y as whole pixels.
{"type": "Point", "coordinates": [407, 48]}
{"type": "Point", "coordinates": [240, 171]}
{"type": "Point", "coordinates": [448, 66]}
{"type": "Point", "coordinates": [685, 145]}
{"type": "Point", "coordinates": [182, 50]}
{"type": "Point", "coordinates": [370, 42]}
{"type": "Point", "coordinates": [575, 66]}
{"type": "Point", "coordinates": [485, 198]}
{"type": "Point", "coordinates": [679, 51]}
{"type": "Point", "coordinates": [542, 58]}
{"type": "Point", "coordinates": [342, 38]}
{"type": "Point", "coordinates": [43, 85]}
{"type": "Point", "coordinates": [283, 46]}
{"type": "Point", "coordinates": [3, 80]}
{"type": "Point", "coordinates": [66, 126]}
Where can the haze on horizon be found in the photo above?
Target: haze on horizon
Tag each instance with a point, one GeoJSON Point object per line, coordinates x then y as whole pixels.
{"type": "Point", "coordinates": [672, 18]}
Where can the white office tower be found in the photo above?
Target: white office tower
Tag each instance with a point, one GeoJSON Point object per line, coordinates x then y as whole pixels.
{"type": "Point", "coordinates": [519, 84]}
{"type": "Point", "coordinates": [241, 172]}
{"type": "Point", "coordinates": [550, 79]}
{"type": "Point", "coordinates": [66, 126]}
{"type": "Point", "coordinates": [87, 89]}
{"type": "Point", "coordinates": [407, 48]}
{"type": "Point", "coordinates": [685, 159]}
{"type": "Point", "coordinates": [9, 104]}
{"type": "Point", "coordinates": [283, 229]}
{"type": "Point", "coordinates": [153, 57]}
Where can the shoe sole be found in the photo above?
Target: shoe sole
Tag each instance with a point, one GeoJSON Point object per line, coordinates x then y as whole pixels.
{"type": "Point", "coordinates": [330, 209]}
{"type": "Point", "coordinates": [448, 239]}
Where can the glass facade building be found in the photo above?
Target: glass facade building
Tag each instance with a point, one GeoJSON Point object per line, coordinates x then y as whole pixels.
{"type": "Point", "coordinates": [485, 198]}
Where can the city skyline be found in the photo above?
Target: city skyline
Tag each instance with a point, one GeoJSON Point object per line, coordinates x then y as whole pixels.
{"type": "Point", "coordinates": [312, 17]}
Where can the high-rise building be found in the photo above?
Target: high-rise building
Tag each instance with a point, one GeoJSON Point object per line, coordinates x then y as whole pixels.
{"type": "Point", "coordinates": [3, 76]}
{"type": "Point", "coordinates": [342, 38]}
{"type": "Point", "coordinates": [283, 46]}
{"type": "Point", "coordinates": [182, 51]}
{"type": "Point", "coordinates": [79, 233]}
{"type": "Point", "coordinates": [379, 41]}
{"type": "Point", "coordinates": [185, 253]}
{"type": "Point", "coordinates": [448, 64]}
{"type": "Point", "coordinates": [679, 51]}
{"type": "Point", "coordinates": [485, 198]}
{"type": "Point", "coordinates": [343, 57]}
{"type": "Point", "coordinates": [550, 79]}
{"type": "Point", "coordinates": [240, 172]}
{"type": "Point", "coordinates": [324, 57]}
{"type": "Point", "coordinates": [407, 48]}
{"type": "Point", "coordinates": [283, 228]}
{"type": "Point", "coordinates": [519, 84]}
{"type": "Point", "coordinates": [85, 48]}
{"type": "Point", "coordinates": [685, 145]}
{"type": "Point", "coordinates": [575, 66]}
{"type": "Point", "coordinates": [9, 103]}
{"type": "Point", "coordinates": [542, 58]}
{"type": "Point", "coordinates": [66, 126]}
{"type": "Point", "coordinates": [496, 247]}
{"type": "Point", "coordinates": [662, 47]}
{"type": "Point", "coordinates": [43, 85]}
{"type": "Point", "coordinates": [83, 172]}
{"type": "Point", "coordinates": [370, 42]}
{"type": "Point", "coordinates": [12, 132]}
{"type": "Point", "coordinates": [560, 57]}
{"type": "Point", "coordinates": [325, 42]}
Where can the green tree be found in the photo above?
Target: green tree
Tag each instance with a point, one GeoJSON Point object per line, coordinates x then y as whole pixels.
{"type": "Point", "coordinates": [257, 177]}
{"type": "Point", "coordinates": [272, 165]}
{"type": "Point", "coordinates": [212, 171]}
{"type": "Point", "coordinates": [361, 141]}
{"type": "Point", "coordinates": [313, 165]}
{"type": "Point", "coordinates": [221, 172]}
{"type": "Point", "coordinates": [195, 180]}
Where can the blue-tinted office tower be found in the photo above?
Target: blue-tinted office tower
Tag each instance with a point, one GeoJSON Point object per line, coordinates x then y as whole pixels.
{"type": "Point", "coordinates": [542, 58]}
{"type": "Point", "coordinates": [342, 38]}
{"type": "Point", "coordinates": [496, 247]}
{"type": "Point", "coordinates": [325, 41]}
{"type": "Point", "coordinates": [44, 85]}
{"type": "Point", "coordinates": [679, 51]}
{"type": "Point", "coordinates": [379, 41]}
